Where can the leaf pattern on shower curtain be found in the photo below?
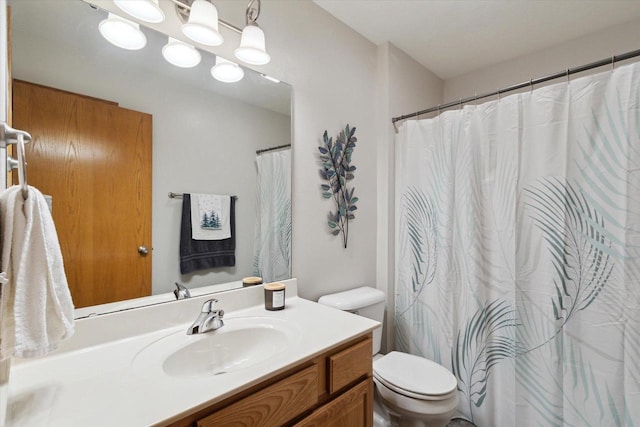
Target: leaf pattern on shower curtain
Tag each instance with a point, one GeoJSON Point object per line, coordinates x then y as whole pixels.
{"type": "Point", "coordinates": [588, 401]}
{"type": "Point", "coordinates": [592, 260]}
{"type": "Point", "coordinates": [485, 341]}
{"type": "Point", "coordinates": [422, 239]}
{"type": "Point", "coordinates": [420, 244]}
{"type": "Point", "coordinates": [577, 240]}
{"type": "Point", "coordinates": [535, 299]}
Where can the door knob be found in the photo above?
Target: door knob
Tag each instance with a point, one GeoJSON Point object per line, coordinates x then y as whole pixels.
{"type": "Point", "coordinates": [143, 250]}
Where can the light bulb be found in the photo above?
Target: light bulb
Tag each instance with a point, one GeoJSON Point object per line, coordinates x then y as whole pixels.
{"type": "Point", "coordinates": [252, 50]}
{"type": "Point", "coordinates": [122, 33]}
{"type": "Point", "coordinates": [226, 71]}
{"type": "Point", "coordinates": [202, 25]}
{"type": "Point", "coordinates": [181, 54]}
{"type": "Point", "coordinates": [144, 10]}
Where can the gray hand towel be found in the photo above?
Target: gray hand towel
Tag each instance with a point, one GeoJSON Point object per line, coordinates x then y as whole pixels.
{"type": "Point", "coordinates": [204, 254]}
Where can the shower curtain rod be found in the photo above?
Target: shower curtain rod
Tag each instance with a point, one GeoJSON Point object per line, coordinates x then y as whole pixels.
{"type": "Point", "coordinates": [272, 148]}
{"type": "Point", "coordinates": [530, 83]}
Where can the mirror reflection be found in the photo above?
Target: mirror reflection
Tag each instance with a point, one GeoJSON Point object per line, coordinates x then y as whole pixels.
{"type": "Point", "coordinates": [115, 131]}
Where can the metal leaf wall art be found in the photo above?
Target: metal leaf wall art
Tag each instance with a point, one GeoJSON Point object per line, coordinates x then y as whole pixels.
{"type": "Point", "coordinates": [337, 171]}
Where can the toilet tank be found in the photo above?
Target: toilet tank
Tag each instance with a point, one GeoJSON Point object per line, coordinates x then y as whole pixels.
{"type": "Point", "coordinates": [364, 301]}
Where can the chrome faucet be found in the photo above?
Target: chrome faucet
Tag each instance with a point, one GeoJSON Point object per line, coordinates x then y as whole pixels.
{"type": "Point", "coordinates": [208, 319]}
{"type": "Point", "coordinates": [181, 291]}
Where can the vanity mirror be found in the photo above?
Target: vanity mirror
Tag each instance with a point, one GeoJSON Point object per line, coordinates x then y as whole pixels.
{"type": "Point", "coordinates": [204, 136]}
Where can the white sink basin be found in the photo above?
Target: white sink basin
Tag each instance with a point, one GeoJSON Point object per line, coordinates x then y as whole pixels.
{"type": "Point", "coordinates": [241, 343]}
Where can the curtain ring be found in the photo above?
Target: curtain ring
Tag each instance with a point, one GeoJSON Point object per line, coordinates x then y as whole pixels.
{"type": "Point", "coordinates": [475, 99]}
{"type": "Point", "coordinates": [568, 79]}
{"type": "Point", "coordinates": [613, 62]}
{"type": "Point", "coordinates": [461, 103]}
{"type": "Point", "coordinates": [530, 85]}
{"type": "Point", "coordinates": [499, 97]}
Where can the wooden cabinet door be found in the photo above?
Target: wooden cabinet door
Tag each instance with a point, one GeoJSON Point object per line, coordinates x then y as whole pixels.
{"type": "Point", "coordinates": [351, 409]}
{"type": "Point", "coordinates": [94, 159]}
{"type": "Point", "coordinates": [272, 406]}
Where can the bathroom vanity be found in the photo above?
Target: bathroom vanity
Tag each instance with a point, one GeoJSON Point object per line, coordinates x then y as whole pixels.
{"type": "Point", "coordinates": [333, 389]}
{"type": "Point", "coordinates": [306, 365]}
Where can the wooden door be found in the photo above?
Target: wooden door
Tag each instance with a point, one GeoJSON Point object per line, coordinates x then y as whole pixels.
{"type": "Point", "coordinates": [94, 159]}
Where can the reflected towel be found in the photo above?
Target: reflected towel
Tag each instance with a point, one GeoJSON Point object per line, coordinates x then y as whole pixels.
{"type": "Point", "coordinates": [204, 254]}
{"type": "Point", "coordinates": [210, 217]}
{"type": "Point", "coordinates": [36, 310]}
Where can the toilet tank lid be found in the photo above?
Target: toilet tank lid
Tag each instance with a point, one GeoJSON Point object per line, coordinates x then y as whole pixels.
{"type": "Point", "coordinates": [353, 299]}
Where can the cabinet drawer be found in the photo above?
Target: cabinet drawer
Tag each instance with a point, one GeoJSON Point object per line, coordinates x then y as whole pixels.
{"type": "Point", "coordinates": [352, 408]}
{"type": "Point", "coordinates": [349, 365]}
{"type": "Point", "coordinates": [274, 405]}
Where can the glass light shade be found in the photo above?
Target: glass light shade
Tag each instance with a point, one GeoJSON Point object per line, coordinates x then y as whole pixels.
{"type": "Point", "coordinates": [181, 54]}
{"type": "Point", "coordinates": [144, 10]}
{"type": "Point", "coordinates": [122, 33]}
{"type": "Point", "coordinates": [226, 71]}
{"type": "Point", "coordinates": [202, 25]}
{"type": "Point", "coordinates": [252, 50]}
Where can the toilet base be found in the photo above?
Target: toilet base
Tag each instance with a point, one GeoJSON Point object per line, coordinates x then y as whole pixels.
{"type": "Point", "coordinates": [386, 414]}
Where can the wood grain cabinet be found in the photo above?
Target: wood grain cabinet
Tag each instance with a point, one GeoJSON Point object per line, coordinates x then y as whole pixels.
{"type": "Point", "coordinates": [334, 389]}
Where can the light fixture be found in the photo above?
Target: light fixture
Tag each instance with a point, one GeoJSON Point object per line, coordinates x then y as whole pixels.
{"type": "Point", "coordinates": [202, 25]}
{"type": "Point", "coordinates": [144, 10]}
{"type": "Point", "coordinates": [226, 71]}
{"type": "Point", "coordinates": [122, 33]}
{"type": "Point", "coordinates": [251, 48]}
{"type": "Point", "coordinates": [181, 54]}
{"type": "Point", "coordinates": [252, 44]}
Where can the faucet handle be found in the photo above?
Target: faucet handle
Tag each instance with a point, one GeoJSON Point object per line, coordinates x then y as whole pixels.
{"type": "Point", "coordinates": [209, 305]}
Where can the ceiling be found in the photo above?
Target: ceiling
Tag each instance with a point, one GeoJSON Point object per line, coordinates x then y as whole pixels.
{"type": "Point", "coordinates": [454, 37]}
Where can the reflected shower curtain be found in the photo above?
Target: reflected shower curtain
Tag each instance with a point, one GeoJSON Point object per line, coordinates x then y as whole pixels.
{"type": "Point", "coordinates": [272, 242]}
{"type": "Point", "coordinates": [517, 251]}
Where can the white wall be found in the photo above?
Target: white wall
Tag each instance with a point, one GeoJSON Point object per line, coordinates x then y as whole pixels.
{"type": "Point", "coordinates": [333, 73]}
{"type": "Point", "coordinates": [403, 86]}
{"type": "Point", "coordinates": [202, 143]}
{"type": "Point", "coordinates": [593, 47]}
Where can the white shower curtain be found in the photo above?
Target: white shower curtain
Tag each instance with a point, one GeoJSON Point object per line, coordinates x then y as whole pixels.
{"type": "Point", "coordinates": [272, 242]}
{"type": "Point", "coordinates": [517, 251]}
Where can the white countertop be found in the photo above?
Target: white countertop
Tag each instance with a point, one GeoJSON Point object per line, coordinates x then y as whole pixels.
{"type": "Point", "coordinates": [97, 385]}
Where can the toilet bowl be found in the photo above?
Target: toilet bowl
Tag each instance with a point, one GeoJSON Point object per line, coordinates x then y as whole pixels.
{"type": "Point", "coordinates": [415, 390]}
{"type": "Point", "coordinates": [411, 391]}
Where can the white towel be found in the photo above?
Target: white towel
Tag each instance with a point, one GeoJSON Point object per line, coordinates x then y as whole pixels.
{"type": "Point", "coordinates": [36, 310]}
{"type": "Point", "coordinates": [210, 204]}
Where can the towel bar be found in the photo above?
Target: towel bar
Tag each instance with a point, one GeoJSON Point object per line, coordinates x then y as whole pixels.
{"type": "Point", "coordinates": [173, 195]}
{"type": "Point", "coordinates": [9, 135]}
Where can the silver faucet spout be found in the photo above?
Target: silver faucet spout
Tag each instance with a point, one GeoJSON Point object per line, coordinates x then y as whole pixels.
{"type": "Point", "coordinates": [181, 291]}
{"type": "Point", "coordinates": [209, 319]}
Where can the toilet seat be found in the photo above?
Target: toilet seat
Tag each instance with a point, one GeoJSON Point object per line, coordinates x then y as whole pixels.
{"type": "Point", "coordinates": [414, 376]}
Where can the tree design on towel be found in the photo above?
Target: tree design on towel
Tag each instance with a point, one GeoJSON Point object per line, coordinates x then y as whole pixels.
{"type": "Point", "coordinates": [210, 221]}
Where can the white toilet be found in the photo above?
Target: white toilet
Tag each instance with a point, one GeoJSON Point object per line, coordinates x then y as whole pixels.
{"type": "Point", "coordinates": [413, 391]}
